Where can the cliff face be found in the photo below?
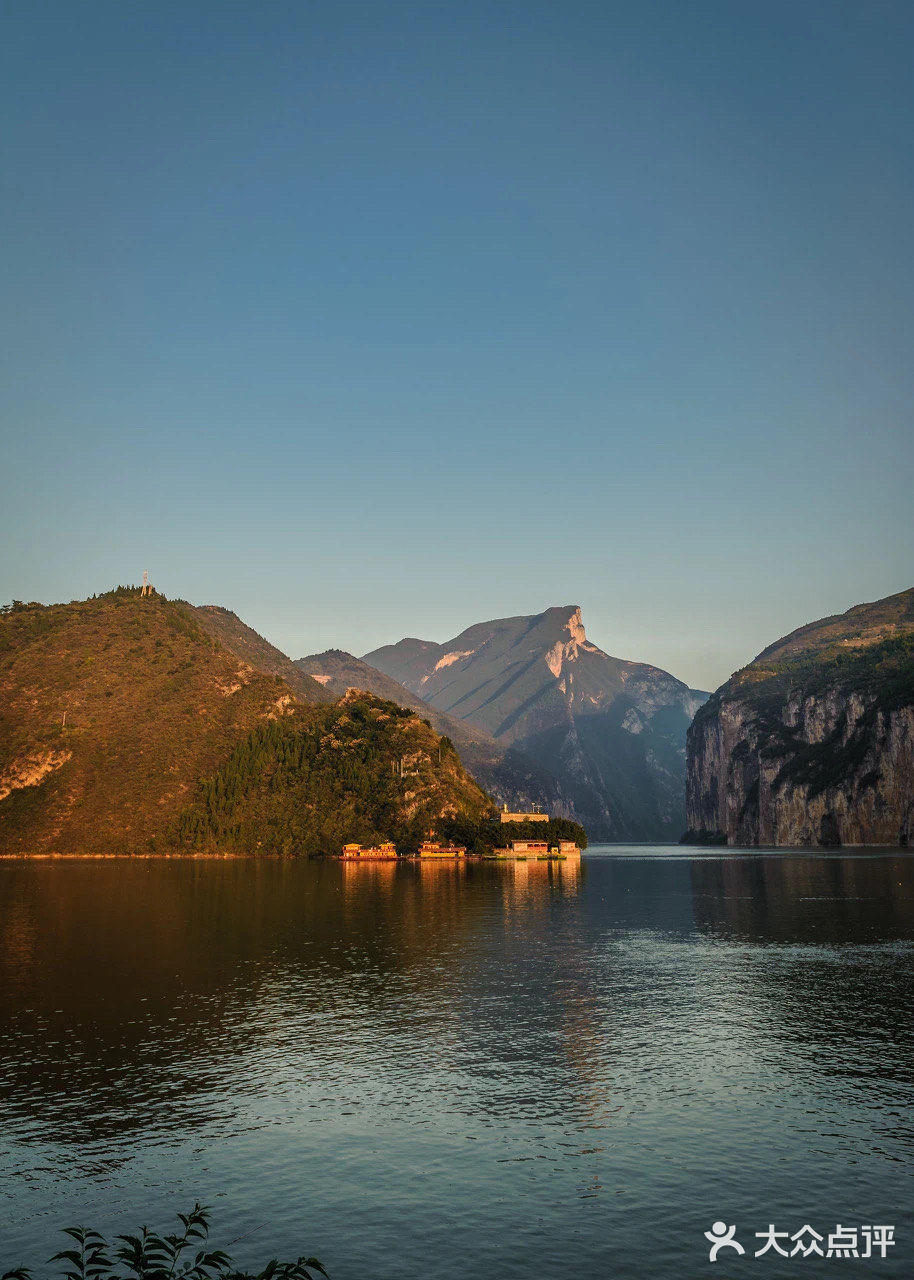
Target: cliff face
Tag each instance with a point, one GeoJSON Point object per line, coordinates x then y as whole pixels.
{"type": "Point", "coordinates": [813, 743]}
{"type": "Point", "coordinates": [611, 732]}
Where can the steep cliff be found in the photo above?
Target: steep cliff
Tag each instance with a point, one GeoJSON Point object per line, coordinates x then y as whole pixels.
{"type": "Point", "coordinates": [813, 742]}
{"type": "Point", "coordinates": [611, 732]}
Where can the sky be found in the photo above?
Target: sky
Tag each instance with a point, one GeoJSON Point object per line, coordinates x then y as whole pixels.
{"type": "Point", "coordinates": [373, 320]}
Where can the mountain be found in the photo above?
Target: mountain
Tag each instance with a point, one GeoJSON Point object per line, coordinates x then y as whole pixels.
{"type": "Point", "coordinates": [509, 775]}
{"type": "Point", "coordinates": [229, 631]}
{"type": "Point", "coordinates": [127, 725]}
{"type": "Point", "coordinates": [813, 742]}
{"type": "Point", "coordinates": [611, 732]}
{"type": "Point", "coordinates": [362, 769]}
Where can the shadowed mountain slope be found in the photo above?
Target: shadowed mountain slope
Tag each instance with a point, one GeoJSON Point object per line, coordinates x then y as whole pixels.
{"type": "Point", "coordinates": [611, 731]}
{"type": "Point", "coordinates": [813, 742]}
{"type": "Point", "coordinates": [507, 774]}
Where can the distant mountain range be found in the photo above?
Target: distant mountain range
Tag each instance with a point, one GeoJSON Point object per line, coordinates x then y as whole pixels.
{"type": "Point", "coordinates": [813, 742]}
{"type": "Point", "coordinates": [609, 734]}
{"type": "Point", "coordinates": [131, 724]}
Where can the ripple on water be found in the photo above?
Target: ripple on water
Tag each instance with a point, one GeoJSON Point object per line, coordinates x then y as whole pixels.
{"type": "Point", "coordinates": [515, 1072]}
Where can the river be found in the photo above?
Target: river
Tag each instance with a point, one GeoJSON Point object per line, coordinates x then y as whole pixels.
{"type": "Point", "coordinates": [432, 1071]}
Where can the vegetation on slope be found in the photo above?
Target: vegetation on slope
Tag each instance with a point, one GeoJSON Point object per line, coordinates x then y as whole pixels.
{"type": "Point", "coordinates": [364, 770]}
{"type": "Point", "coordinates": [245, 643]}
{"type": "Point", "coordinates": [868, 651]}
{"type": "Point", "coordinates": [884, 669]}
{"type": "Point", "coordinates": [110, 708]}
{"type": "Point", "coordinates": [507, 773]}
{"type": "Point", "coordinates": [113, 709]}
{"type": "Point", "coordinates": [864, 624]}
{"type": "Point", "coordinates": [882, 675]}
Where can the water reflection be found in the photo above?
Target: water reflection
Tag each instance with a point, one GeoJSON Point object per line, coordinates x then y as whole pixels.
{"type": "Point", "coordinates": [831, 964]}
{"type": "Point", "coordinates": [823, 900]}
{"type": "Point", "coordinates": [126, 988]}
{"type": "Point", "coordinates": [405, 1053]}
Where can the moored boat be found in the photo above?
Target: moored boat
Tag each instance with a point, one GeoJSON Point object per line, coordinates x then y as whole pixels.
{"type": "Point", "coordinates": [380, 853]}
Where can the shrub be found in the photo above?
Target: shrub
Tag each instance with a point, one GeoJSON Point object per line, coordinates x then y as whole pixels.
{"type": "Point", "coordinates": [149, 1256]}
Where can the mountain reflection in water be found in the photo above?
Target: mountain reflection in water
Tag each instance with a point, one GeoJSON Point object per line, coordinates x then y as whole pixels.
{"type": "Point", "coordinates": [806, 898]}
{"type": "Point", "coordinates": [554, 1061]}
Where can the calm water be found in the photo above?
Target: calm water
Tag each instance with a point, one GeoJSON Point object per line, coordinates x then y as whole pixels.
{"type": "Point", "coordinates": [432, 1071]}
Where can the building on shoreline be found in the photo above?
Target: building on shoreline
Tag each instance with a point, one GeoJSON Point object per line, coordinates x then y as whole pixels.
{"type": "Point", "coordinates": [381, 851]}
{"type": "Point", "coordinates": [539, 849]}
{"type": "Point", "coordinates": [506, 816]}
{"type": "Point", "coordinates": [430, 849]}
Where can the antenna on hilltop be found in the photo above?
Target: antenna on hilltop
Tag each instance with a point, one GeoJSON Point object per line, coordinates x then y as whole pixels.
{"type": "Point", "coordinates": [147, 586]}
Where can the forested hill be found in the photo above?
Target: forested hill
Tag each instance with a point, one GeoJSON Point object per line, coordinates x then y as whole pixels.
{"type": "Point", "coordinates": [364, 769]}
{"type": "Point", "coordinates": [507, 773]}
{"type": "Point", "coordinates": [119, 715]}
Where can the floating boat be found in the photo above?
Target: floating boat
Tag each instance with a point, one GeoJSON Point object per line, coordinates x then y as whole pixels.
{"type": "Point", "coordinates": [429, 849]}
{"type": "Point", "coordinates": [380, 853]}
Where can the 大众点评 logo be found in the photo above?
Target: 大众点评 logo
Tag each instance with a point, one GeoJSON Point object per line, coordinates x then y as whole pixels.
{"type": "Point", "coordinates": [843, 1242]}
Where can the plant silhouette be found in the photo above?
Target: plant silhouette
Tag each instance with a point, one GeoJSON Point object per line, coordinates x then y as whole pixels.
{"type": "Point", "coordinates": [150, 1256]}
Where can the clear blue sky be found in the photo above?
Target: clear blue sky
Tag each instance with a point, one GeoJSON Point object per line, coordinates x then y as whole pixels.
{"type": "Point", "coordinates": [378, 319]}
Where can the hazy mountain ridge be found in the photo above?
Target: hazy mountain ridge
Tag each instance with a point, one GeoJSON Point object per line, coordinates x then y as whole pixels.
{"type": "Point", "coordinates": [813, 742]}
{"type": "Point", "coordinates": [612, 731]}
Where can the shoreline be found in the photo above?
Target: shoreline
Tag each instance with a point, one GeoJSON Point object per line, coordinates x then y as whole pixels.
{"type": "Point", "coordinates": [274, 857]}
{"type": "Point", "coordinates": [698, 851]}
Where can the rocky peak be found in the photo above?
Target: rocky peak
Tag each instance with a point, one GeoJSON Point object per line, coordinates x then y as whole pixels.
{"type": "Point", "coordinates": [559, 621]}
{"type": "Point", "coordinates": [572, 639]}
{"type": "Point", "coordinates": [538, 685]}
{"type": "Point", "coordinates": [575, 627]}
